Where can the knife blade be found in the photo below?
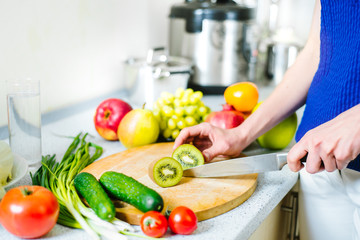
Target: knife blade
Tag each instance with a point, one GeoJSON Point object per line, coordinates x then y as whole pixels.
{"type": "Point", "coordinates": [239, 166]}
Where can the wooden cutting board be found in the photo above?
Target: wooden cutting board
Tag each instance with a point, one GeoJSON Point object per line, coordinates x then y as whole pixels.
{"type": "Point", "coordinates": [207, 197]}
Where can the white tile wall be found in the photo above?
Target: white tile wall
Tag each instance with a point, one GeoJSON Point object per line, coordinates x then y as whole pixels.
{"type": "Point", "coordinates": [76, 47]}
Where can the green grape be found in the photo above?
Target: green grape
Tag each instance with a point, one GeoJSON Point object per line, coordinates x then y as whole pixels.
{"type": "Point", "coordinates": [157, 115]}
{"type": "Point", "coordinates": [185, 100]}
{"type": "Point", "coordinates": [197, 117]}
{"type": "Point", "coordinates": [167, 111]}
{"type": "Point", "coordinates": [190, 110]}
{"type": "Point", "coordinates": [176, 118]}
{"type": "Point", "coordinates": [175, 133]}
{"type": "Point", "coordinates": [168, 97]}
{"type": "Point", "coordinates": [167, 133]}
{"type": "Point", "coordinates": [190, 121]}
{"type": "Point", "coordinates": [161, 102]}
{"type": "Point", "coordinates": [201, 103]}
{"type": "Point", "coordinates": [181, 124]}
{"type": "Point", "coordinates": [171, 123]}
{"type": "Point", "coordinates": [198, 95]}
{"type": "Point", "coordinates": [188, 92]}
{"type": "Point", "coordinates": [179, 92]}
{"type": "Point", "coordinates": [202, 110]}
{"type": "Point", "coordinates": [179, 111]}
{"type": "Point", "coordinates": [178, 103]}
{"type": "Point", "coordinates": [163, 124]}
{"type": "Point", "coordinates": [193, 100]}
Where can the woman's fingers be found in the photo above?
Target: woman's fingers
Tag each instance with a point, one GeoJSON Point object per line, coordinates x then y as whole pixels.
{"type": "Point", "coordinates": [293, 158]}
{"type": "Point", "coordinates": [314, 163]}
{"type": "Point", "coordinates": [188, 134]}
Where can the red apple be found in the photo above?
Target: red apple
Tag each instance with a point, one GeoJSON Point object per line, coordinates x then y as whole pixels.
{"type": "Point", "coordinates": [108, 116]}
{"type": "Point", "coordinates": [228, 107]}
{"type": "Point", "coordinates": [227, 118]}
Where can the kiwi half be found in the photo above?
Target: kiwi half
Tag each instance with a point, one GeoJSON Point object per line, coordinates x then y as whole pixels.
{"type": "Point", "coordinates": [166, 172]}
{"type": "Point", "coordinates": [188, 156]}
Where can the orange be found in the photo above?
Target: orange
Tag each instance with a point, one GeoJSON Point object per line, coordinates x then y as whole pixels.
{"type": "Point", "coordinates": [243, 96]}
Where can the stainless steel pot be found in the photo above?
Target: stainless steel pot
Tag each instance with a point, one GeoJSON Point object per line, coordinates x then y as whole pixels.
{"type": "Point", "coordinates": [218, 37]}
{"type": "Point", "coordinates": [280, 56]}
{"type": "Point", "coordinates": [147, 78]}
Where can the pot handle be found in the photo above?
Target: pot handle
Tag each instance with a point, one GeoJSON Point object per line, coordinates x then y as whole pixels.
{"type": "Point", "coordinates": [159, 52]}
{"type": "Point", "coordinates": [158, 73]}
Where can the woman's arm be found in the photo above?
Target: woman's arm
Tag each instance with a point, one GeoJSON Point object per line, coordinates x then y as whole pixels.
{"type": "Point", "coordinates": [289, 95]}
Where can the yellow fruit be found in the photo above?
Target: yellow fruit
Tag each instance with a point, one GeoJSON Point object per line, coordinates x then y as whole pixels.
{"type": "Point", "coordinates": [280, 136]}
{"type": "Point", "coordinates": [243, 96]}
{"type": "Point", "coordinates": [138, 127]}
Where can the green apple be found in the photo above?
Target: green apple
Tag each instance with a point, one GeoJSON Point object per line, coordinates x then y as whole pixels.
{"type": "Point", "coordinates": [280, 136]}
{"type": "Point", "coordinates": [138, 127]}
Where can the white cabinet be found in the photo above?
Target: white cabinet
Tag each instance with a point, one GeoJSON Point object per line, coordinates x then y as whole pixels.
{"type": "Point", "coordinates": [281, 224]}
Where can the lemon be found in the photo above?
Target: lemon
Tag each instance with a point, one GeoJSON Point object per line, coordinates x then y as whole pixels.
{"type": "Point", "coordinates": [280, 136]}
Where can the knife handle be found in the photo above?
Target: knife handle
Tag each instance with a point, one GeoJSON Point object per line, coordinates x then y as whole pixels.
{"type": "Point", "coordinates": [303, 159]}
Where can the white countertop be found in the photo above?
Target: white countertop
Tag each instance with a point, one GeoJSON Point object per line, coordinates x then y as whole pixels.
{"type": "Point", "coordinates": [238, 223]}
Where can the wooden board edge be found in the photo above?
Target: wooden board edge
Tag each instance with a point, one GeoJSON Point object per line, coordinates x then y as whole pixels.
{"type": "Point", "coordinates": [209, 213]}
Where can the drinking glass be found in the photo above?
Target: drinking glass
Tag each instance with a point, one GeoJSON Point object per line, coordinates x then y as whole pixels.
{"type": "Point", "coordinates": [24, 119]}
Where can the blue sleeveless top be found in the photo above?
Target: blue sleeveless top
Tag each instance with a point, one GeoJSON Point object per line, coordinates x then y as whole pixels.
{"type": "Point", "coordinates": [336, 84]}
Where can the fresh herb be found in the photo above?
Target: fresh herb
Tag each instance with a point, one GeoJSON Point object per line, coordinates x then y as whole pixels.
{"type": "Point", "coordinates": [58, 177]}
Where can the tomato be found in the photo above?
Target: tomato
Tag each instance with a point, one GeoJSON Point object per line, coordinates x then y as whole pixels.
{"type": "Point", "coordinates": [154, 224]}
{"type": "Point", "coordinates": [182, 220]}
{"type": "Point", "coordinates": [29, 211]}
{"type": "Point", "coordinates": [243, 96]}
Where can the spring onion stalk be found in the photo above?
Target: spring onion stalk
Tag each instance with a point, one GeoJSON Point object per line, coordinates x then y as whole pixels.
{"type": "Point", "coordinates": [6, 163]}
{"type": "Point", "coordinates": [58, 177]}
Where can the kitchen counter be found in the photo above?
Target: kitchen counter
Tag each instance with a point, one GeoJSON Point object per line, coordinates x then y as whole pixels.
{"type": "Point", "coordinates": [239, 223]}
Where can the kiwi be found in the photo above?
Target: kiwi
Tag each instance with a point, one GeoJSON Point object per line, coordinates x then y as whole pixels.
{"type": "Point", "coordinates": [166, 172]}
{"type": "Point", "coordinates": [188, 156]}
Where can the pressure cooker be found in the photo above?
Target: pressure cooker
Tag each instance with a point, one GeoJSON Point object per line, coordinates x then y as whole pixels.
{"type": "Point", "coordinates": [219, 38]}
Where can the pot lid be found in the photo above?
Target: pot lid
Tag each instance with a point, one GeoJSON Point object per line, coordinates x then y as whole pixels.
{"type": "Point", "coordinates": [158, 58]}
{"type": "Point", "coordinates": [194, 12]}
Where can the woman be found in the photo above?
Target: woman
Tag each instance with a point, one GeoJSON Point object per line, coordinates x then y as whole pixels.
{"type": "Point", "coordinates": [325, 77]}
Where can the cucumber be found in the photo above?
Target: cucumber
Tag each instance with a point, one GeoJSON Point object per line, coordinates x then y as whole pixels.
{"type": "Point", "coordinates": [129, 190]}
{"type": "Point", "coordinates": [88, 187]}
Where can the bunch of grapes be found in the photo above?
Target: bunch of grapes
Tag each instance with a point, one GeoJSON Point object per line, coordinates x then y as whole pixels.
{"type": "Point", "coordinates": [177, 111]}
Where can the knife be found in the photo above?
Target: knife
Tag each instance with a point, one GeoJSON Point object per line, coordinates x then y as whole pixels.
{"type": "Point", "coordinates": [239, 166]}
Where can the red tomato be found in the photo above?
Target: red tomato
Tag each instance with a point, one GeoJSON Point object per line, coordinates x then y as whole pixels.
{"type": "Point", "coordinates": [29, 211]}
{"type": "Point", "coordinates": [154, 224]}
{"type": "Point", "coordinates": [182, 220]}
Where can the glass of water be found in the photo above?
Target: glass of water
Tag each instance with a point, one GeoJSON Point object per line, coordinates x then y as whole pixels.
{"type": "Point", "coordinates": [24, 119]}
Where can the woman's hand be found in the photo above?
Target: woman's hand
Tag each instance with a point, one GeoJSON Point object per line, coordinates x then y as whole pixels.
{"type": "Point", "coordinates": [330, 146]}
{"type": "Point", "coordinates": [212, 141]}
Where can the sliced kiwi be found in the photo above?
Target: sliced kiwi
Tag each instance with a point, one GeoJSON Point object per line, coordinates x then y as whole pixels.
{"type": "Point", "coordinates": [166, 172]}
{"type": "Point", "coordinates": [188, 156]}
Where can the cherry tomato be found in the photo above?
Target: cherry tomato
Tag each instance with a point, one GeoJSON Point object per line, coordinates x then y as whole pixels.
{"type": "Point", "coordinates": [182, 220]}
{"type": "Point", "coordinates": [29, 211]}
{"type": "Point", "coordinates": [154, 224]}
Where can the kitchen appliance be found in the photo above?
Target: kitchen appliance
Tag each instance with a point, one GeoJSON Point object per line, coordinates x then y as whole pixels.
{"type": "Point", "coordinates": [280, 56]}
{"type": "Point", "coordinates": [147, 78]}
{"type": "Point", "coordinates": [220, 38]}
{"type": "Point", "coordinates": [239, 166]}
{"type": "Point", "coordinates": [206, 197]}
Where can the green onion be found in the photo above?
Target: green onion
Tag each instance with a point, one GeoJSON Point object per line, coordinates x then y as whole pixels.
{"type": "Point", "coordinates": [58, 177]}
